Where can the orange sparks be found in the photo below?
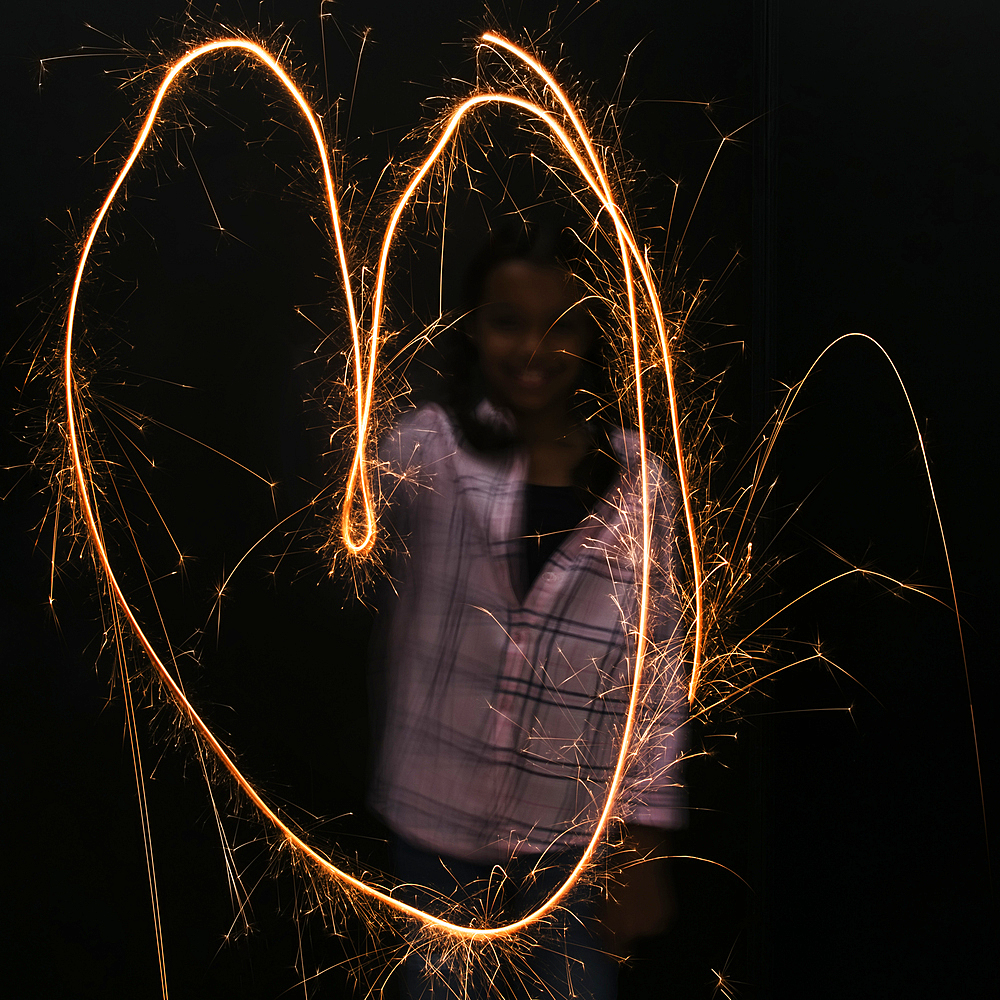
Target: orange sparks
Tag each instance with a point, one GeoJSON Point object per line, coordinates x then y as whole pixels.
{"type": "Point", "coordinates": [358, 525]}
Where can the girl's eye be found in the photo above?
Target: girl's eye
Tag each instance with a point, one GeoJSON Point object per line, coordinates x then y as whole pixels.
{"type": "Point", "coordinates": [504, 321]}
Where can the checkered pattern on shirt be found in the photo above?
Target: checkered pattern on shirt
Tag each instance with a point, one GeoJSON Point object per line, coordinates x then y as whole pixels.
{"type": "Point", "coordinates": [497, 711]}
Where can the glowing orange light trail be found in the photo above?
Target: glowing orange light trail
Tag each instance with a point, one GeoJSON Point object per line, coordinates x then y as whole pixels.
{"type": "Point", "coordinates": [625, 239]}
{"type": "Point", "coordinates": [599, 184]}
{"type": "Point", "coordinates": [584, 156]}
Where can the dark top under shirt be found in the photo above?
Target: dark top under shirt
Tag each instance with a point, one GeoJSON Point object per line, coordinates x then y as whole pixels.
{"type": "Point", "coordinates": [551, 512]}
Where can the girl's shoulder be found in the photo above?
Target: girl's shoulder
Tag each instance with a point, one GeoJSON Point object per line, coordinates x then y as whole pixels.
{"type": "Point", "coordinates": [424, 418]}
{"type": "Point", "coordinates": [437, 431]}
{"type": "Point", "coordinates": [628, 448]}
{"type": "Point", "coordinates": [422, 434]}
{"type": "Point", "coordinates": [627, 445]}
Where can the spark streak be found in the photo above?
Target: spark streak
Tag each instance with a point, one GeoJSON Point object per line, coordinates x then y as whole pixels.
{"type": "Point", "coordinates": [358, 531]}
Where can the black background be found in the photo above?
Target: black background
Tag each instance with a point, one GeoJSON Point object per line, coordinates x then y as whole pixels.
{"type": "Point", "coordinates": [864, 200]}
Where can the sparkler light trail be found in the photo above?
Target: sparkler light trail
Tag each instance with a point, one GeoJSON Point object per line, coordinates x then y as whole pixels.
{"type": "Point", "coordinates": [359, 513]}
{"type": "Point", "coordinates": [651, 334]}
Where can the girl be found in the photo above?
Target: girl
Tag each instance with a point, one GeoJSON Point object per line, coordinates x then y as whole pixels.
{"type": "Point", "coordinates": [505, 659]}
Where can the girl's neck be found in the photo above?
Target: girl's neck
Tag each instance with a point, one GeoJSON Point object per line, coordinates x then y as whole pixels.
{"type": "Point", "coordinates": [556, 445]}
{"type": "Point", "coordinates": [545, 428]}
{"type": "Point", "coordinates": [542, 425]}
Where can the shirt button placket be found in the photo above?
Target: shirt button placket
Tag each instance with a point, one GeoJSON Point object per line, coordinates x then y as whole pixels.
{"type": "Point", "coordinates": [503, 718]}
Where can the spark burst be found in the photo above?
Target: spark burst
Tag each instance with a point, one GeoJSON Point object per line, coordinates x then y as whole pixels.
{"type": "Point", "coordinates": [358, 523]}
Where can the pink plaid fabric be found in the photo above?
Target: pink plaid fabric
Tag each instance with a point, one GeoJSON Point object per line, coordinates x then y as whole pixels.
{"type": "Point", "coordinates": [498, 713]}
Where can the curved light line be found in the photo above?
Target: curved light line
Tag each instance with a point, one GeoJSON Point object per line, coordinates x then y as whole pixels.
{"type": "Point", "coordinates": [625, 236]}
{"type": "Point", "coordinates": [593, 173]}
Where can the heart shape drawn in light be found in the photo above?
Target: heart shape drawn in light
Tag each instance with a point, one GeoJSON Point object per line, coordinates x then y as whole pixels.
{"type": "Point", "coordinates": [358, 526]}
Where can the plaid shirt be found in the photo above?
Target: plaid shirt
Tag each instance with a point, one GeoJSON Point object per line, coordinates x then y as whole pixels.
{"type": "Point", "coordinates": [497, 712]}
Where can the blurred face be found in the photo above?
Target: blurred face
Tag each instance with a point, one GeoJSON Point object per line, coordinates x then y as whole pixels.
{"type": "Point", "coordinates": [532, 337]}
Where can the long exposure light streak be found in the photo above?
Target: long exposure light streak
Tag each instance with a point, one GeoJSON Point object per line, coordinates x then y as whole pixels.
{"type": "Point", "coordinates": [358, 530]}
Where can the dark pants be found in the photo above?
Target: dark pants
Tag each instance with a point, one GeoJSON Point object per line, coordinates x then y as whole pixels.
{"type": "Point", "coordinates": [567, 961]}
